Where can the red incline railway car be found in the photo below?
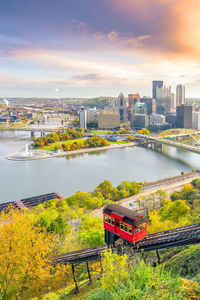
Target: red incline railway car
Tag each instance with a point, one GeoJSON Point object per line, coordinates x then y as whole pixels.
{"type": "Point", "coordinates": [121, 222]}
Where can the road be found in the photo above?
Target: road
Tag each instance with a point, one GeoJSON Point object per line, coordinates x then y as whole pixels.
{"type": "Point", "coordinates": [169, 188]}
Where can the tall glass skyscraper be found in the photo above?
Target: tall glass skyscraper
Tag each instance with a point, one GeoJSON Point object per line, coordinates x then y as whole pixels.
{"type": "Point", "coordinates": [180, 94]}
{"type": "Point", "coordinates": [155, 84]}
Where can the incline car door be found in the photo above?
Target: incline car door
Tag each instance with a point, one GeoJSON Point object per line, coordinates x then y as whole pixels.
{"type": "Point", "coordinates": [117, 226]}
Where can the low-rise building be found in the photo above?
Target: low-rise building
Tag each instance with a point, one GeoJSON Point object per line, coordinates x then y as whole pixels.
{"type": "Point", "coordinates": [171, 119]}
{"type": "Point", "coordinates": [157, 119]}
{"type": "Point", "coordinates": [140, 121]}
{"type": "Point", "coordinates": [109, 120]}
{"type": "Point", "coordinates": [115, 138]}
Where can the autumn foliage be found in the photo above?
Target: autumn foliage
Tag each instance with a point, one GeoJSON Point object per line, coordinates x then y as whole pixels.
{"type": "Point", "coordinates": [69, 134]}
{"type": "Point", "coordinates": [26, 268]}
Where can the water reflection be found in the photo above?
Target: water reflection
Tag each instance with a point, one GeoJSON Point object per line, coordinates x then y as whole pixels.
{"type": "Point", "coordinates": [96, 153]}
{"type": "Point", "coordinates": [84, 171]}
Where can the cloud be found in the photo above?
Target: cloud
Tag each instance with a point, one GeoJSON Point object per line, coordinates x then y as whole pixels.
{"type": "Point", "coordinates": [103, 43]}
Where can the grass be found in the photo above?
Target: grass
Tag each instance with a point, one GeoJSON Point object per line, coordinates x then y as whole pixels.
{"type": "Point", "coordinates": [52, 146]}
{"type": "Point", "coordinates": [102, 131]}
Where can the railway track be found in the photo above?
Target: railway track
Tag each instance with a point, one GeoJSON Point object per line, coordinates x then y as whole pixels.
{"type": "Point", "coordinates": [186, 235]}
{"type": "Point", "coordinates": [29, 202]}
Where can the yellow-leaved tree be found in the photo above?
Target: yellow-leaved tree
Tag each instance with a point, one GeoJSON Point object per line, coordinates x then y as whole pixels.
{"type": "Point", "coordinates": [26, 268]}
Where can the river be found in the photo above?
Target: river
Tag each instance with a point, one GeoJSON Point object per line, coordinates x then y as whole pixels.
{"type": "Point", "coordinates": [65, 176]}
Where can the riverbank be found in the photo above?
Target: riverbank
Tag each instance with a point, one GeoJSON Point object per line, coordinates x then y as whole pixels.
{"type": "Point", "coordinates": [43, 154]}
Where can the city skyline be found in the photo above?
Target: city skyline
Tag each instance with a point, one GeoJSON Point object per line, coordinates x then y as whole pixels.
{"type": "Point", "coordinates": [98, 48]}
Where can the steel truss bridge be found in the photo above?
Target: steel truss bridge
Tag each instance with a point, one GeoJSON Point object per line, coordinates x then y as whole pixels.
{"type": "Point", "coordinates": [180, 132]}
{"type": "Point", "coordinates": [170, 137]}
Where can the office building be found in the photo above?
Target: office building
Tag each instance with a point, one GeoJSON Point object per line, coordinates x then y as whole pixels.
{"type": "Point", "coordinates": [150, 103]}
{"type": "Point", "coordinates": [155, 84]}
{"type": "Point", "coordinates": [83, 118]}
{"type": "Point", "coordinates": [92, 115]}
{"type": "Point", "coordinates": [163, 100]}
{"type": "Point", "coordinates": [196, 120]}
{"type": "Point", "coordinates": [171, 119]}
{"type": "Point", "coordinates": [132, 99]}
{"type": "Point", "coordinates": [109, 120]}
{"type": "Point", "coordinates": [157, 119]}
{"type": "Point", "coordinates": [139, 121]}
{"type": "Point", "coordinates": [158, 123]}
{"type": "Point", "coordinates": [139, 108]}
{"type": "Point", "coordinates": [173, 103]}
{"type": "Point", "coordinates": [184, 116]}
{"type": "Point", "coordinates": [122, 108]}
{"type": "Point", "coordinates": [180, 95]}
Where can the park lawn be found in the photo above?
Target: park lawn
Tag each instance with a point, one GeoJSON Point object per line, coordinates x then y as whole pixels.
{"type": "Point", "coordinates": [52, 146]}
{"type": "Point", "coordinates": [102, 131]}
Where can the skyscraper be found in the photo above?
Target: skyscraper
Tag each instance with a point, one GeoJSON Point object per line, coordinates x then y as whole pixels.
{"type": "Point", "coordinates": [122, 107]}
{"type": "Point", "coordinates": [163, 100]}
{"type": "Point", "coordinates": [184, 116]}
{"type": "Point", "coordinates": [150, 103]}
{"type": "Point", "coordinates": [83, 118]}
{"type": "Point", "coordinates": [132, 99]}
{"type": "Point", "coordinates": [180, 94]}
{"type": "Point", "coordinates": [155, 84]}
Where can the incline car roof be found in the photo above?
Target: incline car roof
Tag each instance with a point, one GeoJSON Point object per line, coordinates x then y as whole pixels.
{"type": "Point", "coordinates": [123, 211]}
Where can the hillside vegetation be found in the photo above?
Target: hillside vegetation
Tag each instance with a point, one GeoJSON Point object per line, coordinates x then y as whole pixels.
{"type": "Point", "coordinates": [30, 239]}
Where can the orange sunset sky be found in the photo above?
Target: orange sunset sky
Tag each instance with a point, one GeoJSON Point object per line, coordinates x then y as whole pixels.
{"type": "Point", "coordinates": [93, 48]}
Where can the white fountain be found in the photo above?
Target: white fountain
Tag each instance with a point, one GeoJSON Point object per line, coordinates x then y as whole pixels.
{"type": "Point", "coordinates": [24, 154]}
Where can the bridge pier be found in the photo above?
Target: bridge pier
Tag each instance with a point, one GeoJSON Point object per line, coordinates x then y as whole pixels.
{"type": "Point", "coordinates": [153, 145]}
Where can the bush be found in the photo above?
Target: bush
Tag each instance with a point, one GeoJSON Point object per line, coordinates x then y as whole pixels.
{"type": "Point", "coordinates": [137, 281]}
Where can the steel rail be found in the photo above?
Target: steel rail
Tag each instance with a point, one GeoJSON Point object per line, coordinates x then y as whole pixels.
{"type": "Point", "coordinates": [185, 235]}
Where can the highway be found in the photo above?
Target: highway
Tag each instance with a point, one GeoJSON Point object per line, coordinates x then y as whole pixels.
{"type": "Point", "coordinates": [167, 184]}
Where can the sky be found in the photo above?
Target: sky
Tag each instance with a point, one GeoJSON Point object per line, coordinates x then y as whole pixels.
{"type": "Point", "coordinates": [88, 48]}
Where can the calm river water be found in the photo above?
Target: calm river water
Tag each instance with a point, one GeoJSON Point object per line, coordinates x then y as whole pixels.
{"type": "Point", "coordinates": [65, 176]}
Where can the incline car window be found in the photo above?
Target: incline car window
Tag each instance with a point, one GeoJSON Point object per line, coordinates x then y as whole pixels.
{"type": "Point", "coordinates": [125, 227]}
{"type": "Point", "coordinates": [109, 220]}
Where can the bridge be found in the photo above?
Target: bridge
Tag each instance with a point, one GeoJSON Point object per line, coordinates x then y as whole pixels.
{"type": "Point", "coordinates": [169, 137]}
{"type": "Point", "coordinates": [177, 133]}
{"type": "Point", "coordinates": [43, 131]}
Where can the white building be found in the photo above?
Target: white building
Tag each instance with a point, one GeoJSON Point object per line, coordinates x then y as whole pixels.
{"type": "Point", "coordinates": [173, 103]}
{"type": "Point", "coordinates": [196, 120]}
{"type": "Point", "coordinates": [92, 115]}
{"type": "Point", "coordinates": [157, 119]}
{"type": "Point", "coordinates": [180, 95]}
{"type": "Point", "coordinates": [83, 118]}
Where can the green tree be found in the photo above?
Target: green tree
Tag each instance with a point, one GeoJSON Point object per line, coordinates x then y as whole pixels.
{"type": "Point", "coordinates": [174, 211]}
{"type": "Point", "coordinates": [175, 196]}
{"type": "Point", "coordinates": [91, 231]}
{"type": "Point", "coordinates": [105, 188]}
